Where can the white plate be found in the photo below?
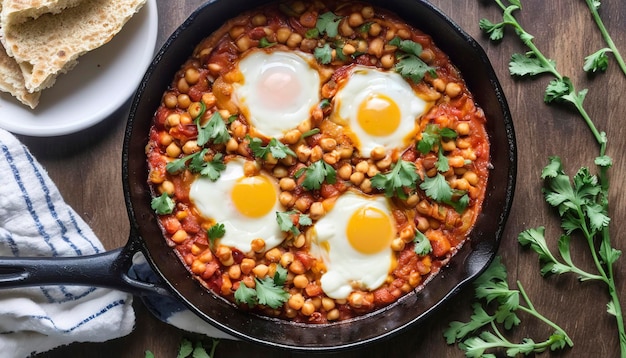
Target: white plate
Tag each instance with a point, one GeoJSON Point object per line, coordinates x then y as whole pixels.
{"type": "Point", "coordinates": [102, 82]}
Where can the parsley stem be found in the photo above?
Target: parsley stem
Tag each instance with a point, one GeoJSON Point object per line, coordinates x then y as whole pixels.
{"type": "Point", "coordinates": [532, 311]}
{"type": "Point", "coordinates": [605, 34]}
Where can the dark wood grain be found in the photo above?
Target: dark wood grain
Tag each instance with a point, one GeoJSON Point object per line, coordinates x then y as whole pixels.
{"type": "Point", "coordinates": [86, 167]}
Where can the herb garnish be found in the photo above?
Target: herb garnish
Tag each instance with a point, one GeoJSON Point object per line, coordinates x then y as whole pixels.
{"type": "Point", "coordinates": [409, 64]}
{"type": "Point", "coordinates": [195, 163]}
{"type": "Point", "coordinates": [583, 205]}
{"type": "Point", "coordinates": [432, 137]}
{"type": "Point", "coordinates": [403, 175]}
{"type": "Point", "coordinates": [267, 291]}
{"type": "Point", "coordinates": [422, 244]}
{"type": "Point", "coordinates": [438, 189]}
{"type": "Point", "coordinates": [275, 147]}
{"type": "Point", "coordinates": [492, 287]}
{"type": "Point", "coordinates": [215, 232]}
{"type": "Point", "coordinates": [286, 221]}
{"type": "Point", "coordinates": [162, 204]}
{"type": "Point", "coordinates": [328, 23]}
{"type": "Point", "coordinates": [316, 173]}
{"type": "Point", "coordinates": [324, 54]}
{"type": "Point", "coordinates": [214, 131]}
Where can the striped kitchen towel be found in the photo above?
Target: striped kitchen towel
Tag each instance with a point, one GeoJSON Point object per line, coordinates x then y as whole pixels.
{"type": "Point", "coordinates": [35, 221]}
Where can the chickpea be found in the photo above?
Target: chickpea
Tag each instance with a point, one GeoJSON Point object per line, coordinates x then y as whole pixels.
{"type": "Point", "coordinates": [356, 299]}
{"type": "Point", "coordinates": [206, 256]}
{"type": "Point", "coordinates": [297, 267]}
{"type": "Point", "coordinates": [345, 171]}
{"type": "Point", "coordinates": [260, 270]}
{"type": "Point", "coordinates": [287, 184]}
{"type": "Point", "coordinates": [463, 128]}
{"type": "Point", "coordinates": [383, 164]}
{"type": "Point", "coordinates": [331, 158]}
{"type": "Point", "coordinates": [307, 308]}
{"type": "Point", "coordinates": [280, 172]}
{"type": "Point", "coordinates": [247, 265]}
{"type": "Point", "coordinates": [182, 85]}
{"type": "Point", "coordinates": [180, 236]}
{"type": "Point", "coordinates": [345, 29]}
{"type": "Point", "coordinates": [453, 89]}
{"type": "Point", "coordinates": [367, 12]}
{"type": "Point", "coordinates": [387, 61]}
{"type": "Point", "coordinates": [172, 120]}
{"type": "Point", "coordinates": [407, 233]}
{"type": "Point", "coordinates": [345, 152]}
{"type": "Point", "coordinates": [397, 244]}
{"type": "Point", "coordinates": [308, 19]}
{"type": "Point", "coordinates": [243, 43]}
{"type": "Point", "coordinates": [328, 144]}
{"type": "Point", "coordinates": [258, 20]}
{"type": "Point", "coordinates": [173, 150]}
{"type": "Point", "coordinates": [286, 259]}
{"type": "Point", "coordinates": [376, 47]}
{"type": "Point", "coordinates": [183, 101]}
{"type": "Point", "coordinates": [286, 199]}
{"type": "Point", "coordinates": [198, 267]}
{"type": "Point", "coordinates": [283, 34]}
{"type": "Point", "coordinates": [300, 281]}
{"type": "Point", "coordinates": [214, 68]}
{"type": "Point", "coordinates": [167, 187]}
{"type": "Point", "coordinates": [299, 241]}
{"type": "Point", "coordinates": [456, 161]}
{"type": "Point", "coordinates": [292, 136]}
{"type": "Point", "coordinates": [366, 186]}
{"type": "Point", "coordinates": [448, 145]}
{"type": "Point", "coordinates": [225, 255]}
{"type": "Point", "coordinates": [328, 303]}
{"type": "Point", "coordinates": [192, 76]}
{"type": "Point", "coordinates": [170, 100]}
{"type": "Point", "coordinates": [378, 153]}
{"type": "Point", "coordinates": [357, 178]}
{"type": "Point", "coordinates": [362, 167]}
{"type": "Point", "coordinates": [317, 210]}
{"type": "Point", "coordinates": [236, 31]}
{"type": "Point", "coordinates": [403, 33]}
{"type": "Point", "coordinates": [471, 177]}
{"type": "Point", "coordinates": [427, 55]}
{"type": "Point", "coordinates": [234, 272]}
{"type": "Point", "coordinates": [412, 200]}
{"type": "Point", "coordinates": [348, 49]}
{"type": "Point", "coordinates": [191, 146]}
{"type": "Point", "coordinates": [316, 153]}
{"type": "Point", "coordinates": [232, 145]}
{"type": "Point", "coordinates": [296, 301]}
{"type": "Point", "coordinates": [257, 245]}
{"type": "Point", "coordinates": [294, 40]}
{"type": "Point", "coordinates": [303, 203]}
{"type": "Point", "coordinates": [375, 29]}
{"type": "Point", "coordinates": [333, 315]}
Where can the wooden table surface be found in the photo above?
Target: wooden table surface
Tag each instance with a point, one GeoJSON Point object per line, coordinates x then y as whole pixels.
{"type": "Point", "coordinates": [86, 167]}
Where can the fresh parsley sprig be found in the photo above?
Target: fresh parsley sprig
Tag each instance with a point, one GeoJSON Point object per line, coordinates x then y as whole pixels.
{"type": "Point", "coordinates": [277, 148]}
{"type": "Point", "coordinates": [432, 137]}
{"type": "Point", "coordinates": [422, 244]}
{"type": "Point", "coordinates": [214, 130]}
{"type": "Point", "coordinates": [267, 291]}
{"type": "Point", "coordinates": [162, 204]}
{"type": "Point", "coordinates": [438, 189]}
{"type": "Point", "coordinates": [316, 174]}
{"type": "Point", "coordinates": [482, 333]}
{"type": "Point", "coordinates": [195, 163]}
{"type": "Point", "coordinates": [289, 221]}
{"type": "Point", "coordinates": [409, 64]}
{"type": "Point", "coordinates": [584, 205]}
{"type": "Point", "coordinates": [403, 175]}
{"type": "Point", "coordinates": [599, 60]}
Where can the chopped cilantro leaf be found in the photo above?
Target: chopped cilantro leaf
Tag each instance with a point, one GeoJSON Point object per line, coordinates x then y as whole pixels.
{"type": "Point", "coordinates": [197, 164]}
{"type": "Point", "coordinates": [269, 294]}
{"type": "Point", "coordinates": [402, 175]}
{"type": "Point", "coordinates": [324, 54]}
{"type": "Point", "coordinates": [162, 204]}
{"type": "Point", "coordinates": [317, 173]}
{"type": "Point", "coordinates": [264, 42]}
{"type": "Point", "coordinates": [408, 46]}
{"type": "Point", "coordinates": [213, 169]}
{"type": "Point", "coordinates": [275, 147]}
{"type": "Point", "coordinates": [422, 244]}
{"type": "Point", "coordinates": [216, 231]}
{"type": "Point", "coordinates": [413, 68]}
{"type": "Point", "coordinates": [437, 188]}
{"type": "Point", "coordinates": [214, 131]}
{"type": "Point", "coordinates": [286, 223]}
{"type": "Point", "coordinates": [245, 294]}
{"type": "Point", "coordinates": [328, 23]}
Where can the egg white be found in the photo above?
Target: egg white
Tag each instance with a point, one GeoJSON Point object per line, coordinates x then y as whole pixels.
{"type": "Point", "coordinates": [278, 91]}
{"type": "Point", "coordinates": [363, 82]}
{"type": "Point", "coordinates": [347, 268]}
{"type": "Point", "coordinates": [214, 201]}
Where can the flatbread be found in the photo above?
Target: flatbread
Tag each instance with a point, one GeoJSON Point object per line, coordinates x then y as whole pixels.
{"type": "Point", "coordinates": [59, 39]}
{"type": "Point", "coordinates": [12, 80]}
{"type": "Point", "coordinates": [19, 11]}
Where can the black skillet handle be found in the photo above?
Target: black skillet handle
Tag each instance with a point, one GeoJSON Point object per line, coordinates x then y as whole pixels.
{"type": "Point", "coordinates": [108, 269]}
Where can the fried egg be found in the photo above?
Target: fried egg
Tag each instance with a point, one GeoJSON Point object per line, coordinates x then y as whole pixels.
{"type": "Point", "coordinates": [354, 241]}
{"type": "Point", "coordinates": [378, 109]}
{"type": "Point", "coordinates": [278, 91]}
{"type": "Point", "coordinates": [245, 205]}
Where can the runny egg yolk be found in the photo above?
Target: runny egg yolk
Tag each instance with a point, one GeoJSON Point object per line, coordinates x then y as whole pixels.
{"type": "Point", "coordinates": [369, 230]}
{"type": "Point", "coordinates": [277, 86]}
{"type": "Point", "coordinates": [378, 115]}
{"type": "Point", "coordinates": [253, 196]}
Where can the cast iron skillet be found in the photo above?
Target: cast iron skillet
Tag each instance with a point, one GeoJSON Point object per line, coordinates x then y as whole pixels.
{"type": "Point", "coordinates": [110, 269]}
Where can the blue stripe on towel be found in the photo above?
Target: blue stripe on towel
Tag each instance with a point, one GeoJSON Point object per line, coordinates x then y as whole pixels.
{"type": "Point", "coordinates": [104, 310]}
{"type": "Point", "coordinates": [27, 200]}
{"type": "Point", "coordinates": [80, 232]}
{"type": "Point", "coordinates": [49, 203]}
{"type": "Point", "coordinates": [6, 236]}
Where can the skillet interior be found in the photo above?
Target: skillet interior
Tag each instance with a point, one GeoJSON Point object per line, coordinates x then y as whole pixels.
{"type": "Point", "coordinates": [475, 255]}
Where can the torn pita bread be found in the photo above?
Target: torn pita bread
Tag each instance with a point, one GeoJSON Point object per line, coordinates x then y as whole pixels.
{"type": "Point", "coordinates": [19, 11]}
{"type": "Point", "coordinates": [12, 80]}
{"type": "Point", "coordinates": [59, 39]}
